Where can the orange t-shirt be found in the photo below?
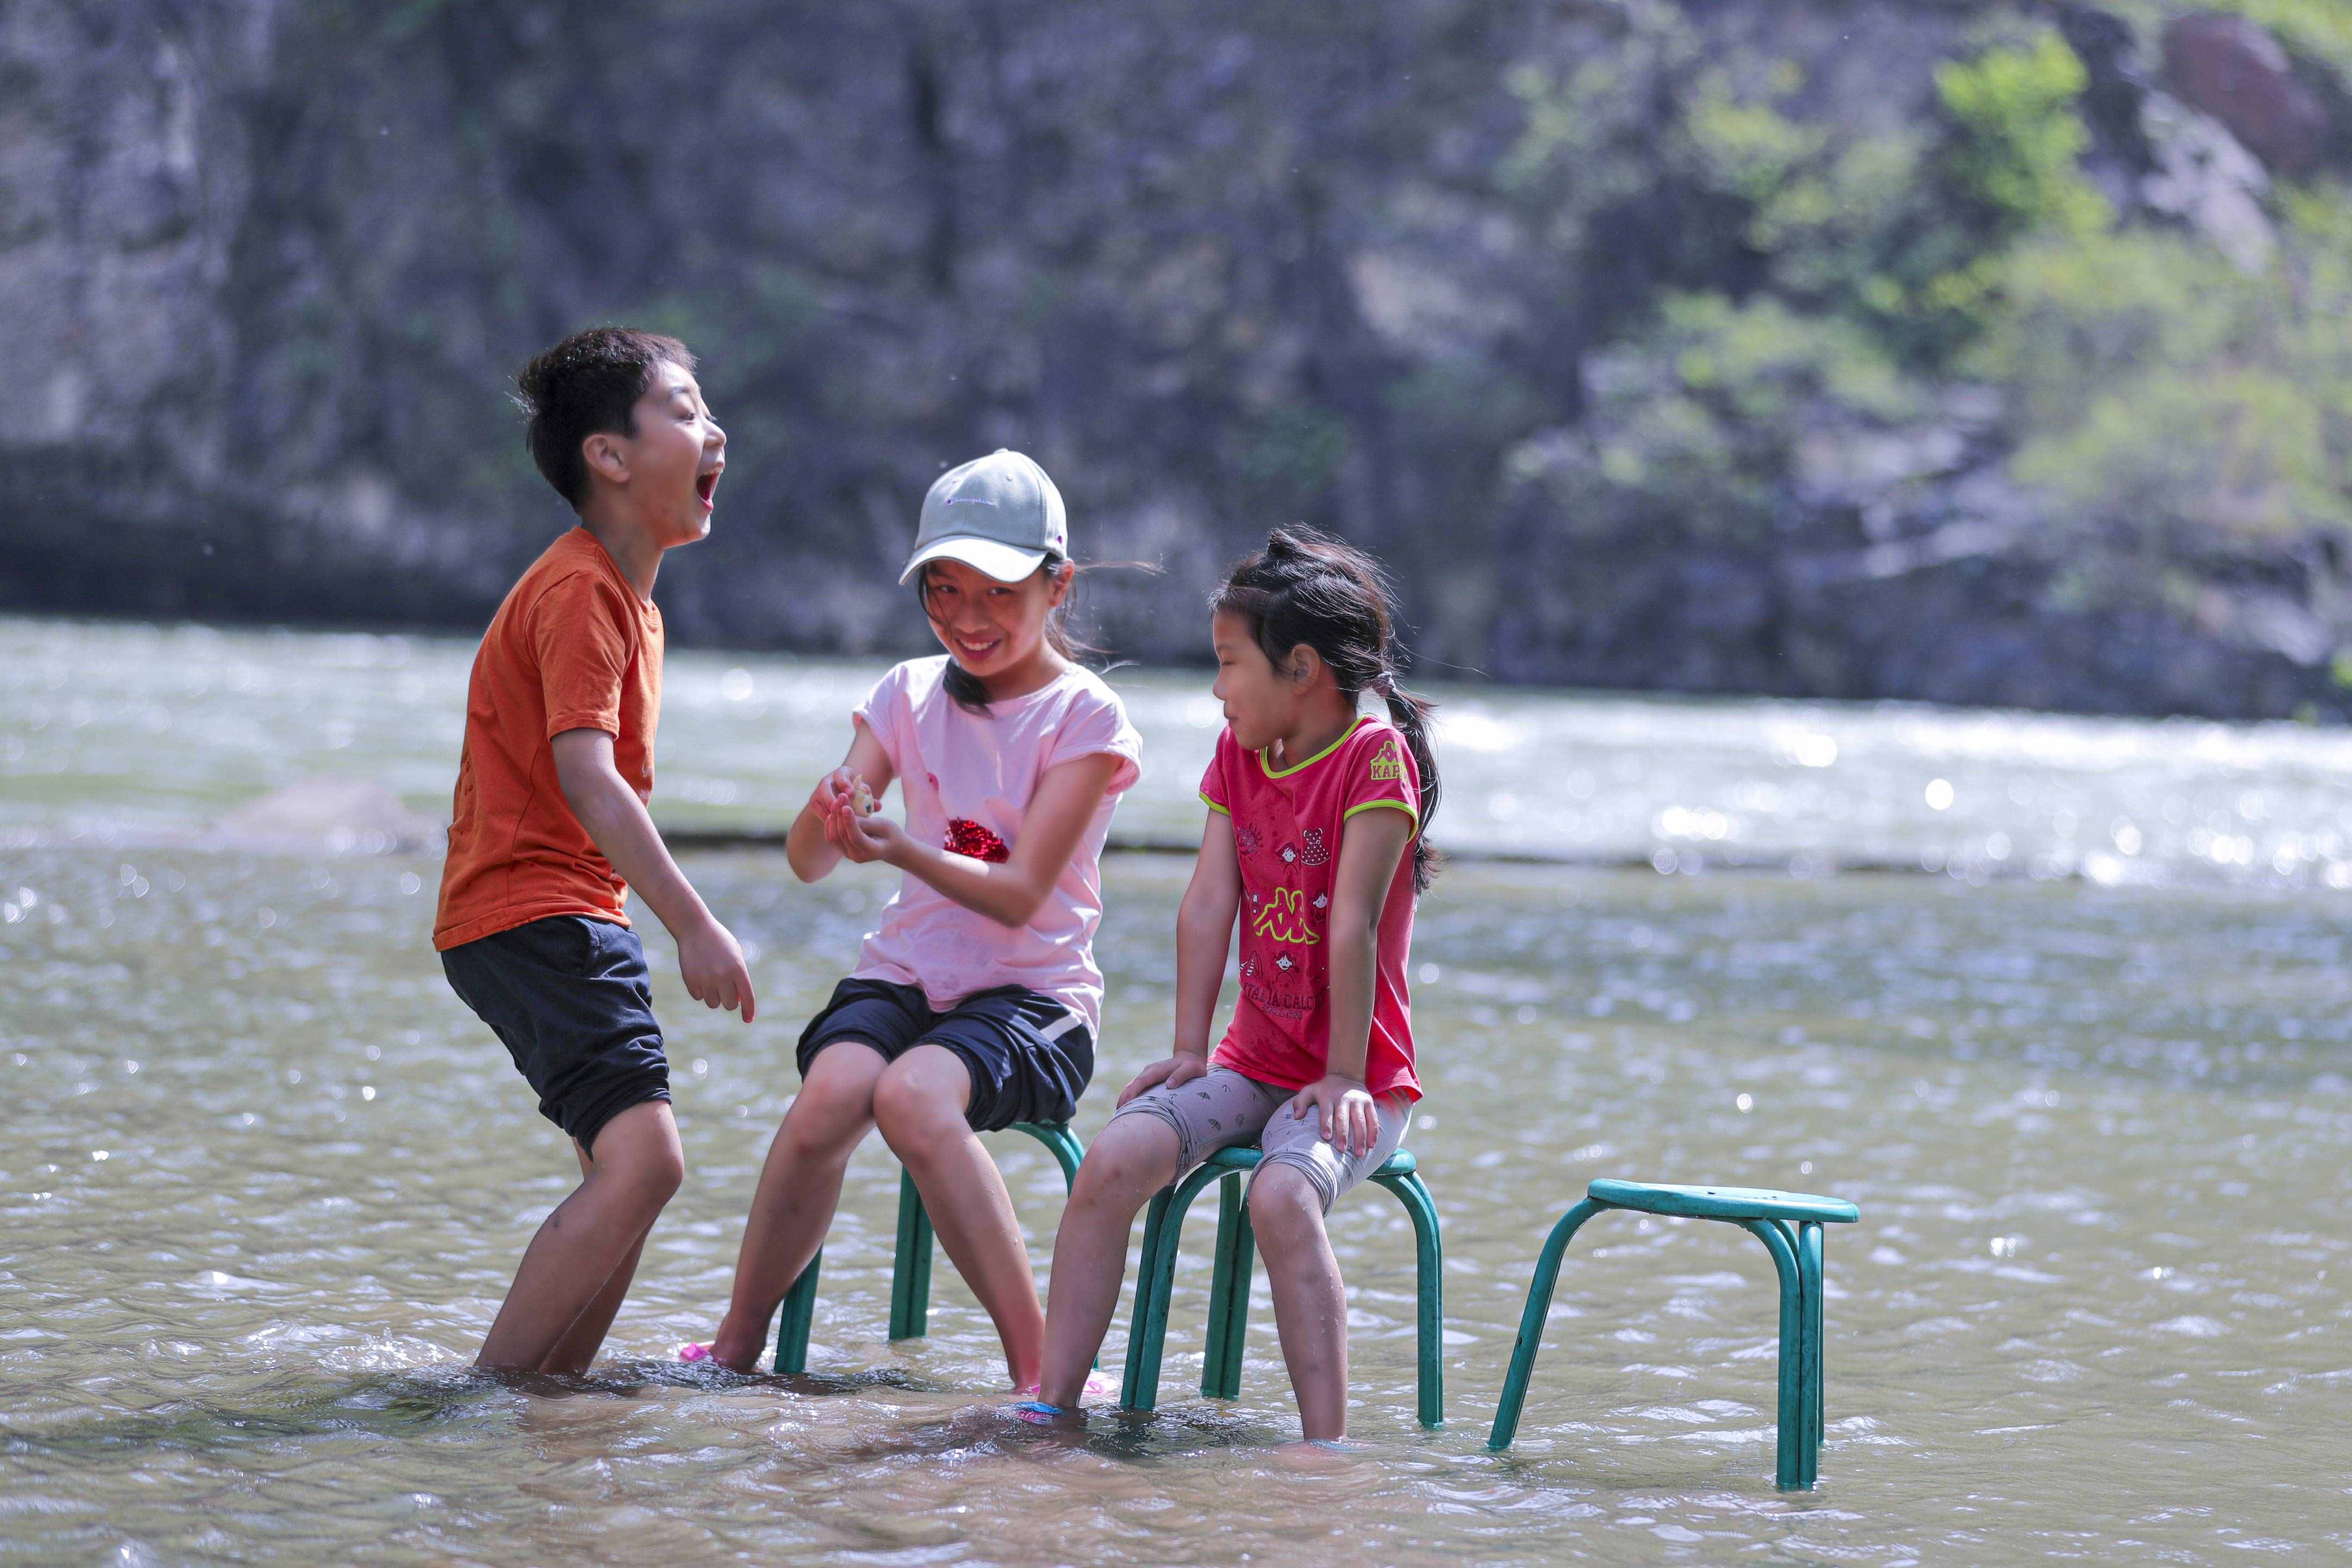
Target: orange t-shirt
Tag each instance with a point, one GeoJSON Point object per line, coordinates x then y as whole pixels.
{"type": "Point", "coordinates": [572, 648]}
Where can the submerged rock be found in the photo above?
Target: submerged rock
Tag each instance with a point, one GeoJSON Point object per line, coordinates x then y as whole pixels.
{"type": "Point", "coordinates": [338, 816]}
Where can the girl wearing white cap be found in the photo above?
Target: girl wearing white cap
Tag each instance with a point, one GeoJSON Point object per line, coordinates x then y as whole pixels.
{"type": "Point", "coordinates": [975, 1003]}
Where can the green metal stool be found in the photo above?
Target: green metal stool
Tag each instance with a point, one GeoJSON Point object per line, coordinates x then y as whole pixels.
{"type": "Point", "coordinates": [1220, 1372]}
{"type": "Point", "coordinates": [910, 1271]}
{"type": "Point", "coordinates": [1789, 1227]}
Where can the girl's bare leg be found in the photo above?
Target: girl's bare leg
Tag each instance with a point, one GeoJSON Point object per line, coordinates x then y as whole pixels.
{"type": "Point", "coordinates": [920, 1105]}
{"type": "Point", "coordinates": [571, 1261]}
{"type": "Point", "coordinates": [800, 1186]}
{"type": "Point", "coordinates": [1310, 1301]}
{"type": "Point", "coordinates": [1134, 1158]}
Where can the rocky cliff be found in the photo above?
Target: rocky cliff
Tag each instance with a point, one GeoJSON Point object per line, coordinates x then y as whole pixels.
{"type": "Point", "coordinates": [1969, 352]}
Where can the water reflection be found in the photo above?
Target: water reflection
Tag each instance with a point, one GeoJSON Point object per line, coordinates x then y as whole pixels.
{"type": "Point", "coordinates": [2098, 1137]}
{"type": "Point", "coordinates": [1679, 784]}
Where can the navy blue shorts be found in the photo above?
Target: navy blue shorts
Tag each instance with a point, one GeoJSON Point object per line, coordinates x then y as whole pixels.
{"type": "Point", "coordinates": [1030, 1056]}
{"type": "Point", "coordinates": [570, 998]}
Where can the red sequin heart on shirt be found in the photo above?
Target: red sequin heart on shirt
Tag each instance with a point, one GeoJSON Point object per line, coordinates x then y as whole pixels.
{"type": "Point", "coordinates": [966, 836]}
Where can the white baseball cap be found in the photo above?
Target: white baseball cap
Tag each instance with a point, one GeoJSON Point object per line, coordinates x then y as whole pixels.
{"type": "Point", "coordinates": [998, 514]}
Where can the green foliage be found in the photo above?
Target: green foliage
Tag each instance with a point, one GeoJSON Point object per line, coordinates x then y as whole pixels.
{"type": "Point", "coordinates": [1900, 227]}
{"type": "Point", "coordinates": [1760, 363]}
{"type": "Point", "coordinates": [2006, 167]}
{"type": "Point", "coordinates": [1751, 148]}
{"type": "Point", "coordinates": [1695, 431]}
{"type": "Point", "coordinates": [2021, 141]}
{"type": "Point", "coordinates": [2169, 410]}
{"type": "Point", "coordinates": [2163, 392]}
{"type": "Point", "coordinates": [2321, 29]}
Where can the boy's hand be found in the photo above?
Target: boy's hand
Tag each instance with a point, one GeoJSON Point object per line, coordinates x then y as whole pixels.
{"type": "Point", "coordinates": [1351, 1122]}
{"type": "Point", "coordinates": [1181, 1068]}
{"type": "Point", "coordinates": [711, 964]}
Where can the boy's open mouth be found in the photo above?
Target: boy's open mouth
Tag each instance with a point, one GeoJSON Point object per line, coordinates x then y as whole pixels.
{"type": "Point", "coordinates": [706, 485]}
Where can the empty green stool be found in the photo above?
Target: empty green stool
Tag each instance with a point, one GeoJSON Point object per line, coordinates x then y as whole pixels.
{"type": "Point", "coordinates": [1221, 1370]}
{"type": "Point", "coordinates": [910, 1271]}
{"type": "Point", "coordinates": [1789, 1227]}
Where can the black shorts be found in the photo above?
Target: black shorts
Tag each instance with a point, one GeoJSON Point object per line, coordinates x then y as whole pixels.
{"type": "Point", "coordinates": [570, 998]}
{"type": "Point", "coordinates": [1030, 1056]}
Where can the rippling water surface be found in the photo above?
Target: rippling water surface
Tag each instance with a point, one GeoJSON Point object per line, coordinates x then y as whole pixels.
{"type": "Point", "coordinates": [266, 1179]}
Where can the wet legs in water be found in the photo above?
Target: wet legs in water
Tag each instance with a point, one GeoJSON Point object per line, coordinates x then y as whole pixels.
{"type": "Point", "coordinates": [579, 1266]}
{"type": "Point", "coordinates": [1310, 1301]}
{"type": "Point", "coordinates": [800, 1186]}
{"type": "Point", "coordinates": [1134, 1158]}
{"type": "Point", "coordinates": [919, 1103]}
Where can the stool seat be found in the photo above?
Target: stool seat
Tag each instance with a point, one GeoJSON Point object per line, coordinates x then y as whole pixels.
{"type": "Point", "coordinates": [1236, 1157]}
{"type": "Point", "coordinates": [1720, 1203]}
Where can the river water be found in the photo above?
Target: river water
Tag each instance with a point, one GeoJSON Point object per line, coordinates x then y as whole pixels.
{"type": "Point", "coordinates": [2087, 1077]}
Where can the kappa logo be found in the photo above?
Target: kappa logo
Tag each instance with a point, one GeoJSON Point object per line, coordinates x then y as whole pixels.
{"type": "Point", "coordinates": [1283, 918]}
{"type": "Point", "coordinates": [971, 500]}
{"type": "Point", "coordinates": [1387, 767]}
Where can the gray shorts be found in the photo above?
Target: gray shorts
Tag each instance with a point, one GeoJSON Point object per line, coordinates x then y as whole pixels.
{"type": "Point", "coordinates": [1223, 1108]}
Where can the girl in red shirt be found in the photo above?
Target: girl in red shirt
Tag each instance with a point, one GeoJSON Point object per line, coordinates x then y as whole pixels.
{"type": "Point", "coordinates": [1314, 844]}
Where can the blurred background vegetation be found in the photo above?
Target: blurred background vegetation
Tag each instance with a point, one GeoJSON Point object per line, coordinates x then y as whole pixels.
{"type": "Point", "coordinates": [1978, 353]}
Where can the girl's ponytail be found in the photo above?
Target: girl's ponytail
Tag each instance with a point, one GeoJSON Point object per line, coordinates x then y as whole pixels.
{"type": "Point", "coordinates": [1307, 587]}
{"type": "Point", "coordinates": [1410, 714]}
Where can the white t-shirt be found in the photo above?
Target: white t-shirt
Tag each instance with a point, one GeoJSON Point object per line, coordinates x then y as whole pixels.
{"type": "Point", "coordinates": [966, 780]}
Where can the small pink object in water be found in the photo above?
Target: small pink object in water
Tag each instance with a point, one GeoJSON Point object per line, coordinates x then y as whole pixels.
{"type": "Point", "coordinates": [1097, 1385]}
{"type": "Point", "coordinates": [693, 1353]}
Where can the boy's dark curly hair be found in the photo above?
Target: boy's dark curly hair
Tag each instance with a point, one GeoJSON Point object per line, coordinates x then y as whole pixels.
{"type": "Point", "coordinates": [588, 383]}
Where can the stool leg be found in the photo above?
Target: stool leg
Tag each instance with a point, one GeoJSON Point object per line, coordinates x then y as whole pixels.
{"type": "Point", "coordinates": [1155, 1287]}
{"type": "Point", "coordinates": [1811, 1267]}
{"type": "Point", "coordinates": [1067, 1150]}
{"type": "Point", "coordinates": [1221, 1362]}
{"type": "Point", "coordinates": [1237, 1320]}
{"type": "Point", "coordinates": [1155, 1283]}
{"type": "Point", "coordinates": [1789, 1471]}
{"type": "Point", "coordinates": [793, 1327]}
{"type": "Point", "coordinates": [1429, 1281]}
{"type": "Point", "coordinates": [910, 1271]}
{"type": "Point", "coordinates": [1131, 1381]}
{"type": "Point", "coordinates": [1531, 1324]}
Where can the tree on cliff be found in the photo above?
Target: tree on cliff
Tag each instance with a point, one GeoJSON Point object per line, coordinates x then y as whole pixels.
{"type": "Point", "coordinates": [1961, 349]}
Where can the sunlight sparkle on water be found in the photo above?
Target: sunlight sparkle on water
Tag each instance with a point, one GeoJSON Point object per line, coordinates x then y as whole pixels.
{"type": "Point", "coordinates": [244, 1332]}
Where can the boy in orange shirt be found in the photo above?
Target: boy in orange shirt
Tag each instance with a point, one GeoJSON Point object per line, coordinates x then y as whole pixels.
{"type": "Point", "coordinates": [551, 829]}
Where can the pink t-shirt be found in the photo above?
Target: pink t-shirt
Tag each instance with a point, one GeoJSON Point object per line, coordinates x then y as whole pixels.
{"type": "Point", "coordinates": [1287, 827]}
{"type": "Point", "coordinates": [966, 780]}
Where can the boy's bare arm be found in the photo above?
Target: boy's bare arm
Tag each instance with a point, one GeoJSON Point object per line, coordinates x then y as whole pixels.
{"type": "Point", "coordinates": [707, 956]}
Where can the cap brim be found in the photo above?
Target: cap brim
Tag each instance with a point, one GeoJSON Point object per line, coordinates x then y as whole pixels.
{"type": "Point", "coordinates": [1004, 563]}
